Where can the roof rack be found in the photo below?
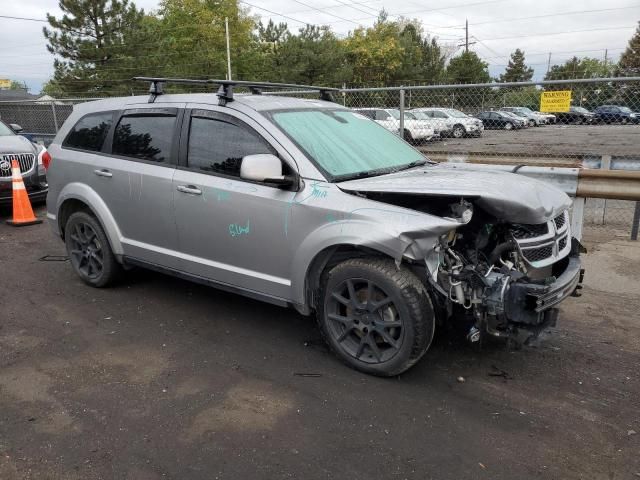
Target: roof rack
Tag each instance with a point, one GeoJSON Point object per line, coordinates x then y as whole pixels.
{"type": "Point", "coordinates": [225, 90]}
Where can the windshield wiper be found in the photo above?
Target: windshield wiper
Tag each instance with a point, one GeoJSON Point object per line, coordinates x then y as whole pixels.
{"type": "Point", "coordinates": [379, 171]}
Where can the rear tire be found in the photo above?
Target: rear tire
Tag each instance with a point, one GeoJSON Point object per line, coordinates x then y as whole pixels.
{"type": "Point", "coordinates": [89, 250]}
{"type": "Point", "coordinates": [407, 136]}
{"type": "Point", "coordinates": [376, 318]}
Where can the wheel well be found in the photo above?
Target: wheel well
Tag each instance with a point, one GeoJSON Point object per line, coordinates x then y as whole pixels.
{"type": "Point", "coordinates": [329, 258]}
{"type": "Point", "coordinates": [459, 125]}
{"type": "Point", "coordinates": [68, 207]}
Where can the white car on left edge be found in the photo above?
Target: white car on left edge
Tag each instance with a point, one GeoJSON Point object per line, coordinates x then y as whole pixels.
{"type": "Point", "coordinates": [414, 130]}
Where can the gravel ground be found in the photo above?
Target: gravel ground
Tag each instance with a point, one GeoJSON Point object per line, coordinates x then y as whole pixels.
{"type": "Point", "coordinates": [560, 140]}
{"type": "Point", "coordinates": [159, 378]}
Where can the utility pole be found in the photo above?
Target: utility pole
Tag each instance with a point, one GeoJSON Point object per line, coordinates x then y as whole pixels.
{"type": "Point", "coordinates": [605, 60]}
{"type": "Point", "coordinates": [466, 37]}
{"type": "Point", "coordinates": [549, 63]}
{"type": "Point", "coordinates": [226, 29]}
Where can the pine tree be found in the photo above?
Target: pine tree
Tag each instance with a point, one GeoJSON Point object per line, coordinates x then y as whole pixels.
{"type": "Point", "coordinates": [468, 68]}
{"type": "Point", "coordinates": [516, 70]}
{"type": "Point", "coordinates": [90, 40]}
{"type": "Point", "coordinates": [629, 64]}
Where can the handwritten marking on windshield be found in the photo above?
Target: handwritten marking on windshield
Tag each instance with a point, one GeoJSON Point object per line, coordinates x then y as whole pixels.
{"type": "Point", "coordinates": [235, 230]}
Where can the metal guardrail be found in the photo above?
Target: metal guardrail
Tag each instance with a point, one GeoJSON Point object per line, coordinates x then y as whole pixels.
{"type": "Point", "coordinates": [581, 183]}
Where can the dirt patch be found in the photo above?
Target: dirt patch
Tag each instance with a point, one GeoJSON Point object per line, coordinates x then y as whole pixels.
{"type": "Point", "coordinates": [248, 406]}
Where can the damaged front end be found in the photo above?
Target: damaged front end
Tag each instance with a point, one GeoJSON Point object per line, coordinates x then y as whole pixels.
{"type": "Point", "coordinates": [506, 279]}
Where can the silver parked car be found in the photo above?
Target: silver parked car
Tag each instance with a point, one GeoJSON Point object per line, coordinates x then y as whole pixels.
{"type": "Point", "coordinates": [33, 159]}
{"type": "Point", "coordinates": [305, 203]}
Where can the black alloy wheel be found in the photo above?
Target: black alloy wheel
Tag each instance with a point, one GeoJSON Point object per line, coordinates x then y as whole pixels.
{"type": "Point", "coordinates": [364, 321]}
{"type": "Point", "coordinates": [89, 250]}
{"type": "Point", "coordinates": [86, 251]}
{"type": "Point", "coordinates": [376, 317]}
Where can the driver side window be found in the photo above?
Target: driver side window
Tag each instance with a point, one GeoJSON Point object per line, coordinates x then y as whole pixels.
{"type": "Point", "coordinates": [218, 146]}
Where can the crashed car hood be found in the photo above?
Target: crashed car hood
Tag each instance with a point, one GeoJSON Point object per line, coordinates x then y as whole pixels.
{"type": "Point", "coordinates": [507, 196]}
{"type": "Point", "coordinates": [15, 144]}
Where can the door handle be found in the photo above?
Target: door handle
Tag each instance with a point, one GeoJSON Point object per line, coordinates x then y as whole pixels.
{"type": "Point", "coordinates": [190, 189]}
{"type": "Point", "coordinates": [103, 173]}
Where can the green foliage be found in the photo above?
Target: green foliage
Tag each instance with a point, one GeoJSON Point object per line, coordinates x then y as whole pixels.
{"type": "Point", "coordinates": [579, 68]}
{"type": "Point", "coordinates": [629, 64]}
{"type": "Point", "coordinates": [516, 70]}
{"type": "Point", "coordinates": [467, 68]}
{"type": "Point", "coordinates": [89, 41]}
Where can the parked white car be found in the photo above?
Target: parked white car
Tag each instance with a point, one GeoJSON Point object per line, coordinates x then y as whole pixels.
{"type": "Point", "coordinates": [453, 122]}
{"type": "Point", "coordinates": [389, 118]}
{"type": "Point", "coordinates": [551, 118]}
{"type": "Point", "coordinates": [534, 119]}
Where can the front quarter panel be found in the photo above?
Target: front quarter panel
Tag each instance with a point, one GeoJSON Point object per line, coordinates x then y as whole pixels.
{"type": "Point", "coordinates": [342, 219]}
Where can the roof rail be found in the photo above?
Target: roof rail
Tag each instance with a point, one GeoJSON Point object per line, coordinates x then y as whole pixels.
{"type": "Point", "coordinates": [225, 90]}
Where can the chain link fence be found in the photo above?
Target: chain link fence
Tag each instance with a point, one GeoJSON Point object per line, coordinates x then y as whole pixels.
{"type": "Point", "coordinates": [597, 127]}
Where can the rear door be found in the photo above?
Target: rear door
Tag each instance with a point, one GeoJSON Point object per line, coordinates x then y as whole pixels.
{"type": "Point", "coordinates": [134, 177]}
{"type": "Point", "coordinates": [230, 230]}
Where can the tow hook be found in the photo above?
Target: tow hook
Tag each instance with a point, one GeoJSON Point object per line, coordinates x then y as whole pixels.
{"type": "Point", "coordinates": [474, 335]}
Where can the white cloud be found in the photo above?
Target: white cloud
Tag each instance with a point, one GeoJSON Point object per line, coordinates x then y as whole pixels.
{"type": "Point", "coordinates": [24, 57]}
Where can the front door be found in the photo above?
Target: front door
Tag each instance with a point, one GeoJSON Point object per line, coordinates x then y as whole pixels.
{"type": "Point", "coordinates": [230, 230]}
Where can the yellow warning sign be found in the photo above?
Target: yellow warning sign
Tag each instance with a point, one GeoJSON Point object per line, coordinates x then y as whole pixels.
{"type": "Point", "coordinates": [5, 83]}
{"type": "Point", "coordinates": [556, 101]}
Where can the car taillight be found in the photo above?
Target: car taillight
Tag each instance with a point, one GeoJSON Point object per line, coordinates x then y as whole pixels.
{"type": "Point", "coordinates": [44, 159]}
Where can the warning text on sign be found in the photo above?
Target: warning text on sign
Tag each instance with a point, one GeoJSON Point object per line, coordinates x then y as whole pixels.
{"type": "Point", "coordinates": [557, 101]}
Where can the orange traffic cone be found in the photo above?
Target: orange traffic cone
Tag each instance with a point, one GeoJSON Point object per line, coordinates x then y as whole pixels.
{"type": "Point", "coordinates": [22, 211]}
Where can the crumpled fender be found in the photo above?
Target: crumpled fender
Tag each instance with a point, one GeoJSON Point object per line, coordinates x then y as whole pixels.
{"type": "Point", "coordinates": [401, 235]}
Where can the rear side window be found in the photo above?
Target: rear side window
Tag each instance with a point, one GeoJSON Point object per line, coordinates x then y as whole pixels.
{"type": "Point", "coordinates": [146, 137]}
{"type": "Point", "coordinates": [217, 146]}
{"type": "Point", "coordinates": [90, 131]}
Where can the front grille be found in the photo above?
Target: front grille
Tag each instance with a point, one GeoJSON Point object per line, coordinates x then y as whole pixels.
{"type": "Point", "coordinates": [25, 160]}
{"type": "Point", "coordinates": [543, 244]}
{"type": "Point", "coordinates": [538, 254]}
{"type": "Point", "coordinates": [522, 231]}
{"type": "Point", "coordinates": [562, 243]}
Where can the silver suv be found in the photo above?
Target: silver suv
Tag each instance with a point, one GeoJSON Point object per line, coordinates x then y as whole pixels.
{"type": "Point", "coordinates": [304, 203]}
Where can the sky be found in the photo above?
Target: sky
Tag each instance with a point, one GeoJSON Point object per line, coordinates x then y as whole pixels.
{"type": "Point", "coordinates": [539, 27]}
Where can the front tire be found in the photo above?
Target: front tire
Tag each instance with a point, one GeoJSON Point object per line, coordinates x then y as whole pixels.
{"type": "Point", "coordinates": [458, 131]}
{"type": "Point", "coordinates": [508, 126]}
{"type": "Point", "coordinates": [89, 251]}
{"type": "Point", "coordinates": [376, 318]}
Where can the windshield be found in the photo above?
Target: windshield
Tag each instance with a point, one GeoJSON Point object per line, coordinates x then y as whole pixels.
{"type": "Point", "coordinates": [456, 113]}
{"type": "Point", "coordinates": [5, 130]}
{"type": "Point", "coordinates": [420, 115]}
{"type": "Point", "coordinates": [625, 110]}
{"type": "Point", "coordinates": [346, 144]}
{"type": "Point", "coordinates": [394, 113]}
{"type": "Point", "coordinates": [579, 110]}
{"type": "Point", "coordinates": [410, 116]}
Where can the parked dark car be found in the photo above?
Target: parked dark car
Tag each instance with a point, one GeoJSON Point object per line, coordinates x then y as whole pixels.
{"type": "Point", "coordinates": [575, 115]}
{"type": "Point", "coordinates": [500, 120]}
{"type": "Point", "coordinates": [33, 160]}
{"type": "Point", "coordinates": [615, 114]}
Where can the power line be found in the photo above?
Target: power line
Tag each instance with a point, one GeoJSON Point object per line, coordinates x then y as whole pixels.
{"type": "Point", "coordinates": [326, 13]}
{"type": "Point", "coordinates": [9, 17]}
{"type": "Point", "coordinates": [558, 33]}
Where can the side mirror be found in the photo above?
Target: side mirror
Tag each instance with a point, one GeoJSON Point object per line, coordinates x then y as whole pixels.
{"type": "Point", "coordinates": [15, 127]}
{"type": "Point", "coordinates": [264, 167]}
